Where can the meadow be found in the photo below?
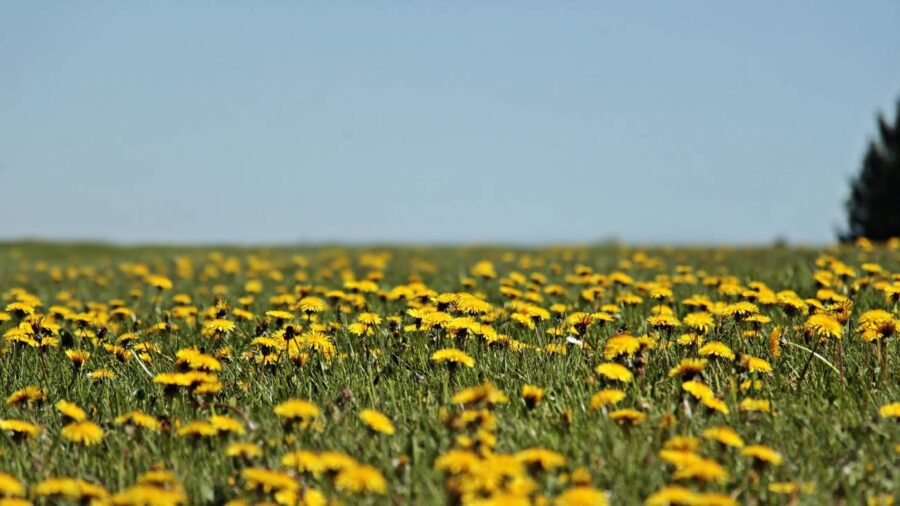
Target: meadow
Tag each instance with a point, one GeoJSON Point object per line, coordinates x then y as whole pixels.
{"type": "Point", "coordinates": [477, 376]}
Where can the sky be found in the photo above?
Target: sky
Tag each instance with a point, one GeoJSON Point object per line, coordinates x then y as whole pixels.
{"type": "Point", "coordinates": [438, 122]}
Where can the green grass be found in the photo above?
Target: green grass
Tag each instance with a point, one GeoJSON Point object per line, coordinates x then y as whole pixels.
{"type": "Point", "coordinates": [827, 428]}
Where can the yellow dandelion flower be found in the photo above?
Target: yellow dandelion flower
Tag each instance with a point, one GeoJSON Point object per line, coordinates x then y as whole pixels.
{"type": "Point", "coordinates": [71, 411]}
{"type": "Point", "coordinates": [10, 486]}
{"type": "Point", "coordinates": [606, 397]}
{"type": "Point", "coordinates": [532, 394]}
{"type": "Point", "coordinates": [891, 410]}
{"type": "Point", "coordinates": [581, 496]}
{"type": "Point", "coordinates": [725, 436]}
{"type": "Point", "coordinates": [361, 479]}
{"type": "Point", "coordinates": [83, 432]}
{"type": "Point", "coordinates": [452, 356]}
{"type": "Point", "coordinates": [716, 349]}
{"type": "Point", "coordinates": [763, 454]}
{"type": "Point", "coordinates": [377, 421]}
{"type": "Point", "coordinates": [614, 372]}
{"type": "Point", "coordinates": [627, 416]}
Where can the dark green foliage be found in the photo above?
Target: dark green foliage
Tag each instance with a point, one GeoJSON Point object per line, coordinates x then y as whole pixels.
{"type": "Point", "coordinates": [873, 209]}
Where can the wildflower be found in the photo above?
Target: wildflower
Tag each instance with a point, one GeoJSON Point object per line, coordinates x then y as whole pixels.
{"type": "Point", "coordinates": [705, 470]}
{"type": "Point", "coordinates": [581, 496]}
{"type": "Point", "coordinates": [31, 394]}
{"type": "Point", "coordinates": [627, 416]}
{"type": "Point", "coordinates": [150, 494]}
{"type": "Point", "coordinates": [452, 356]}
{"type": "Point", "coordinates": [217, 327]}
{"type": "Point", "coordinates": [605, 398]}
{"type": "Point", "coordinates": [360, 479]}
{"type": "Point", "coordinates": [297, 411]}
{"type": "Point", "coordinates": [310, 305]}
{"type": "Point", "coordinates": [10, 486]}
{"type": "Point", "coordinates": [891, 410]}
{"type": "Point", "coordinates": [304, 461]}
{"type": "Point", "coordinates": [69, 488]}
{"type": "Point", "coordinates": [716, 349]}
{"type": "Point", "coordinates": [485, 393]}
{"type": "Point", "coordinates": [724, 435]}
{"type": "Point", "coordinates": [332, 461]}
{"type": "Point", "coordinates": [698, 389]}
{"type": "Point", "coordinates": [740, 310]}
{"type": "Point", "coordinates": [19, 428]}
{"type": "Point", "coordinates": [377, 422]}
{"type": "Point", "coordinates": [763, 454]}
{"type": "Point", "coordinates": [225, 424]}
{"type": "Point", "coordinates": [71, 411]}
{"type": "Point", "coordinates": [245, 451]}
{"type": "Point", "coordinates": [83, 432]}
{"type": "Point", "coordinates": [756, 364]}
{"type": "Point", "coordinates": [267, 480]}
{"type": "Point", "coordinates": [192, 358]}
{"type": "Point", "coordinates": [614, 372]}
{"type": "Point", "coordinates": [78, 357]}
{"type": "Point", "coordinates": [663, 322]}
{"type": "Point", "coordinates": [775, 342]}
{"type": "Point", "coordinates": [876, 323]}
{"type": "Point", "coordinates": [715, 404]}
{"type": "Point", "coordinates": [541, 459]}
{"type": "Point", "coordinates": [760, 405]}
{"type": "Point", "coordinates": [688, 367]}
{"type": "Point", "coordinates": [318, 342]}
{"type": "Point", "coordinates": [673, 494]}
{"type": "Point", "coordinates": [159, 282]}
{"type": "Point", "coordinates": [622, 344]}
{"type": "Point", "coordinates": [101, 374]}
{"type": "Point", "coordinates": [823, 326]}
{"type": "Point", "coordinates": [532, 395]}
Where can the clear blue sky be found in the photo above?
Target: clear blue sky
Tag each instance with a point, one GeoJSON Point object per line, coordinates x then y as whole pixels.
{"type": "Point", "coordinates": [438, 121]}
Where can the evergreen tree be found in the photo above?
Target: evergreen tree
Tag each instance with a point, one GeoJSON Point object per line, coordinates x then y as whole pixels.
{"type": "Point", "coordinates": [873, 209]}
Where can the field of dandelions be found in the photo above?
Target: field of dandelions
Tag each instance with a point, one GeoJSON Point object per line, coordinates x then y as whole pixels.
{"type": "Point", "coordinates": [476, 376]}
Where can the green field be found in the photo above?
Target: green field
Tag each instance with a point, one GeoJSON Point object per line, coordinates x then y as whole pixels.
{"type": "Point", "coordinates": [659, 375]}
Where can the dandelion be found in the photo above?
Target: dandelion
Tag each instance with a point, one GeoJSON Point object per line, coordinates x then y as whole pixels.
{"type": "Point", "coordinates": [755, 405]}
{"type": "Point", "coordinates": [31, 394]}
{"type": "Point", "coordinates": [762, 454]}
{"type": "Point", "coordinates": [604, 398]}
{"type": "Point", "coordinates": [541, 459]}
{"type": "Point", "coordinates": [486, 394]}
{"type": "Point", "coordinates": [452, 356]}
{"type": "Point", "coordinates": [243, 450]}
{"type": "Point", "coordinates": [716, 349]}
{"type": "Point", "coordinates": [297, 412]}
{"type": "Point", "coordinates": [377, 422]}
{"type": "Point", "coordinates": [532, 395]}
{"type": "Point", "coordinates": [621, 345]}
{"type": "Point", "coordinates": [823, 326]}
{"type": "Point", "coordinates": [84, 432]}
{"type": "Point", "coordinates": [627, 416]}
{"type": "Point", "coordinates": [614, 372]}
{"type": "Point", "coordinates": [891, 410]}
{"type": "Point", "coordinates": [581, 496]}
{"type": "Point", "coordinates": [10, 486]}
{"type": "Point", "coordinates": [78, 357]}
{"type": "Point", "coordinates": [305, 461]}
{"type": "Point", "coordinates": [71, 411]}
{"type": "Point", "coordinates": [725, 436]}
{"type": "Point", "coordinates": [756, 364]}
{"type": "Point", "coordinates": [19, 429]}
{"type": "Point", "coordinates": [688, 367]}
{"type": "Point", "coordinates": [69, 488]}
{"type": "Point", "coordinates": [701, 469]}
{"type": "Point", "coordinates": [361, 479]}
